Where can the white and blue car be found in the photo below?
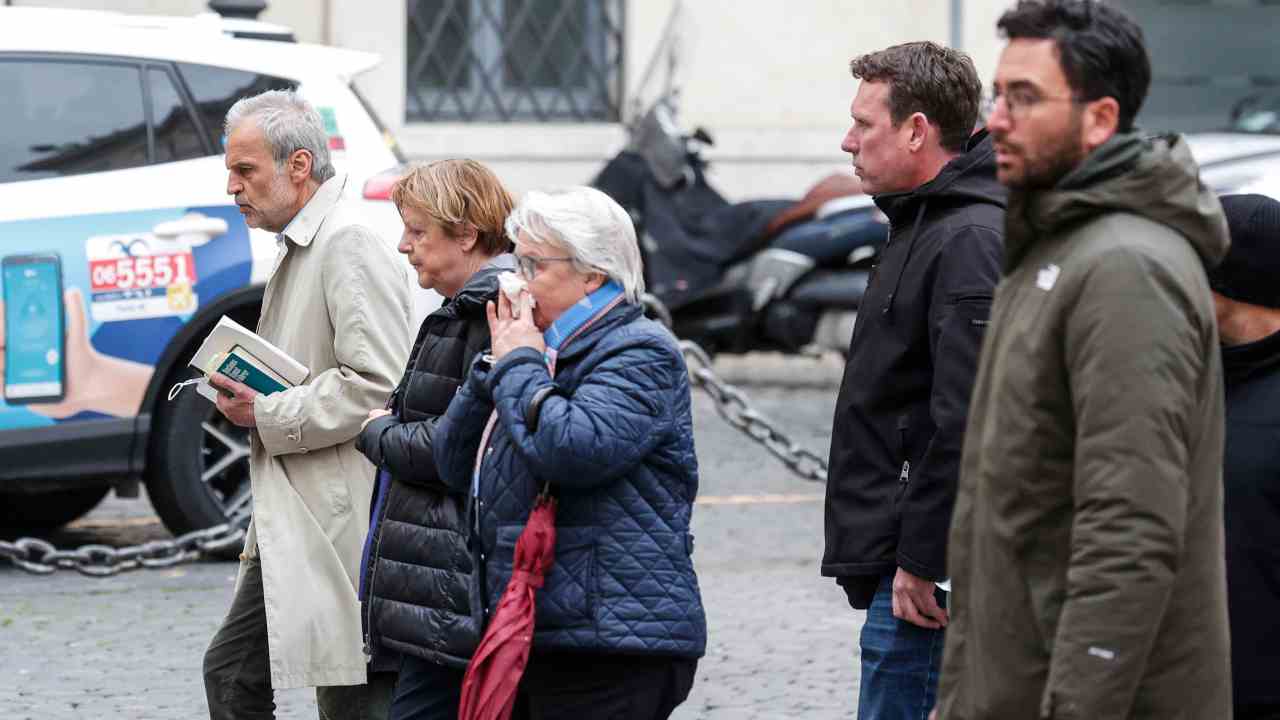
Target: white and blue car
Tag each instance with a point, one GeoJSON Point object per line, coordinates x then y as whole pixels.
{"type": "Point", "coordinates": [121, 249]}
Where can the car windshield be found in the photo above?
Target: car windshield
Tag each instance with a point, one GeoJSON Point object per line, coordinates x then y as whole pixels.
{"type": "Point", "coordinates": [1257, 114]}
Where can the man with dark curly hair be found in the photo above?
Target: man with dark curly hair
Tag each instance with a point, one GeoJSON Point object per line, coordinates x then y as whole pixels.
{"type": "Point", "coordinates": [1087, 541]}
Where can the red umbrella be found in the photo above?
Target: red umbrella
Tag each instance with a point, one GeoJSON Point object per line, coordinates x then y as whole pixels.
{"type": "Point", "coordinates": [489, 687]}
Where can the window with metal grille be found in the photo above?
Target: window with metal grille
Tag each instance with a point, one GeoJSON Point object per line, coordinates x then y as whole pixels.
{"type": "Point", "coordinates": [514, 60]}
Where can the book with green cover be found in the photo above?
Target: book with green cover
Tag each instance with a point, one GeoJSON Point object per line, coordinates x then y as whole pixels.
{"type": "Point", "coordinates": [240, 365]}
{"type": "Point", "coordinates": [239, 353]}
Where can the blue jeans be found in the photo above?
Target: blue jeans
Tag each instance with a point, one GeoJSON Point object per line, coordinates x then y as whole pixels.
{"type": "Point", "coordinates": [900, 662]}
{"type": "Point", "coordinates": [426, 691]}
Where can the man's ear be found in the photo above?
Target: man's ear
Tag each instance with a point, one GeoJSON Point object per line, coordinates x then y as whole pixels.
{"type": "Point", "coordinates": [920, 130]}
{"type": "Point", "coordinates": [594, 282]}
{"type": "Point", "coordinates": [1101, 121]}
{"type": "Point", "coordinates": [300, 163]}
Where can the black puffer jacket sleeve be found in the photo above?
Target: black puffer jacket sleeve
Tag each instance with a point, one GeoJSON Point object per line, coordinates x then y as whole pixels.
{"type": "Point", "coordinates": [403, 448]}
{"type": "Point", "coordinates": [967, 271]}
{"type": "Point", "coordinates": [406, 448]}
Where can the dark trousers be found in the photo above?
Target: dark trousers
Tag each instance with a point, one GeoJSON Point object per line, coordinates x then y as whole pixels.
{"type": "Point", "coordinates": [426, 691]}
{"type": "Point", "coordinates": [586, 686]}
{"type": "Point", "coordinates": [1267, 711]}
{"type": "Point", "coordinates": [237, 667]}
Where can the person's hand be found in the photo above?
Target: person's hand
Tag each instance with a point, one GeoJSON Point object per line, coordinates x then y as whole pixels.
{"type": "Point", "coordinates": [94, 382]}
{"type": "Point", "coordinates": [507, 332]}
{"type": "Point", "coordinates": [933, 714]}
{"type": "Point", "coordinates": [239, 407]}
{"type": "Point", "coordinates": [914, 601]}
{"type": "Point", "coordinates": [373, 415]}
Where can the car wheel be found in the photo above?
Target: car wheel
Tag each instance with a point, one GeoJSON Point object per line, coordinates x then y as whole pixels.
{"type": "Point", "coordinates": [198, 471]}
{"type": "Point", "coordinates": [45, 511]}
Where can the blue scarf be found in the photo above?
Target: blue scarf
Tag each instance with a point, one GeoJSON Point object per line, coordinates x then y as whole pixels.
{"type": "Point", "coordinates": [571, 322]}
{"type": "Point", "coordinates": [578, 317]}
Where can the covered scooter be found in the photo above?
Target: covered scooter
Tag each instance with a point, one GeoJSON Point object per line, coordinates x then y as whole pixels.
{"type": "Point", "coordinates": [736, 277]}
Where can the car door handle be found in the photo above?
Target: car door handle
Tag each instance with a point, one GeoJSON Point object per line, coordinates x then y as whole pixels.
{"type": "Point", "coordinates": [195, 228]}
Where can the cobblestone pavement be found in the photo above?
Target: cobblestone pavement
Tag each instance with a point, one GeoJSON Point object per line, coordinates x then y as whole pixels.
{"type": "Point", "coordinates": [783, 642]}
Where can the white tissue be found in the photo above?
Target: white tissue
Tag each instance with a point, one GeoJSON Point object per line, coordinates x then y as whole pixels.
{"type": "Point", "coordinates": [512, 284]}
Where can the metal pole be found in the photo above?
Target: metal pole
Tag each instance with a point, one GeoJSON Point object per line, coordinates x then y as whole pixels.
{"type": "Point", "coordinates": [957, 24]}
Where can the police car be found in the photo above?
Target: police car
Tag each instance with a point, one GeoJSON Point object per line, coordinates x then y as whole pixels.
{"type": "Point", "coordinates": [121, 249]}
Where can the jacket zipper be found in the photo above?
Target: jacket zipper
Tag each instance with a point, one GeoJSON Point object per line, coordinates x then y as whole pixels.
{"type": "Point", "coordinates": [871, 285]}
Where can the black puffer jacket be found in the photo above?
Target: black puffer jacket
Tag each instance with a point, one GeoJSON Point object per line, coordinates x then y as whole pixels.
{"type": "Point", "coordinates": [899, 418]}
{"type": "Point", "coordinates": [416, 572]}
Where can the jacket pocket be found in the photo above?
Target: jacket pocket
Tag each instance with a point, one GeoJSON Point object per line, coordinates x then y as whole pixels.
{"type": "Point", "coordinates": [904, 426]}
{"type": "Point", "coordinates": [567, 596]}
{"type": "Point", "coordinates": [339, 493]}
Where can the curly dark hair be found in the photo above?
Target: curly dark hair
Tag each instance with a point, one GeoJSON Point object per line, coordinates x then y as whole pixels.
{"type": "Point", "coordinates": [1101, 49]}
{"type": "Point", "coordinates": [925, 77]}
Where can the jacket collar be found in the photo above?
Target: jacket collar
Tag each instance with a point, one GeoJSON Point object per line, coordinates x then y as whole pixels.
{"type": "Point", "coordinates": [968, 177]}
{"type": "Point", "coordinates": [480, 288]}
{"type": "Point", "coordinates": [1241, 362]}
{"type": "Point", "coordinates": [304, 226]}
{"type": "Point", "coordinates": [623, 314]}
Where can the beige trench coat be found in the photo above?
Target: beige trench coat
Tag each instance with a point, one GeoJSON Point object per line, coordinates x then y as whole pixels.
{"type": "Point", "coordinates": [339, 303]}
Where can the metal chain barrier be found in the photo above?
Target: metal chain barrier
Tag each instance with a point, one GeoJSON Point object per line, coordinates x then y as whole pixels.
{"type": "Point", "coordinates": [40, 557]}
{"type": "Point", "coordinates": [734, 406]}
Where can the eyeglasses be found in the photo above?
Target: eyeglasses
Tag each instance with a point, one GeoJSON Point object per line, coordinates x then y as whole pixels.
{"type": "Point", "coordinates": [529, 264]}
{"type": "Point", "coordinates": [1019, 101]}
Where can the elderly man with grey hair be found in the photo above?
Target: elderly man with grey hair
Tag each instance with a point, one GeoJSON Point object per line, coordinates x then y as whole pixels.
{"type": "Point", "coordinates": [337, 301]}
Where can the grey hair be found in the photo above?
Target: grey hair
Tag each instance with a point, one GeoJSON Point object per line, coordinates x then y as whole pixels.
{"type": "Point", "coordinates": [289, 124]}
{"type": "Point", "coordinates": [588, 225]}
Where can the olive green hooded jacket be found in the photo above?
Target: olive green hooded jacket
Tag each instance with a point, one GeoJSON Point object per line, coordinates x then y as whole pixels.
{"type": "Point", "coordinates": [1086, 548]}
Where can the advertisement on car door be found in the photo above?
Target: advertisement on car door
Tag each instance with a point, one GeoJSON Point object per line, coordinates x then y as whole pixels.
{"type": "Point", "coordinates": [88, 304]}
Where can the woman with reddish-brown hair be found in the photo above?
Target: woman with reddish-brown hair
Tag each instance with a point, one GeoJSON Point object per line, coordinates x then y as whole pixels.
{"type": "Point", "coordinates": [416, 571]}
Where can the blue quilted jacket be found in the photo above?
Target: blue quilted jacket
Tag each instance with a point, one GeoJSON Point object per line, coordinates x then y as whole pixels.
{"type": "Point", "coordinates": [615, 438]}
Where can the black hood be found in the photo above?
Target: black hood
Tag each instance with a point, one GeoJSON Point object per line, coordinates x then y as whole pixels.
{"type": "Point", "coordinates": [969, 177]}
{"type": "Point", "coordinates": [1154, 177]}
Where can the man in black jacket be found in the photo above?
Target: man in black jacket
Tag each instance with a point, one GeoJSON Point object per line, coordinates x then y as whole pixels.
{"type": "Point", "coordinates": [1246, 294]}
{"type": "Point", "coordinates": [900, 416]}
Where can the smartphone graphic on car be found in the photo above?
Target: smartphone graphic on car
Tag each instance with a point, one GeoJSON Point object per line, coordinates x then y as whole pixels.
{"type": "Point", "coordinates": [34, 328]}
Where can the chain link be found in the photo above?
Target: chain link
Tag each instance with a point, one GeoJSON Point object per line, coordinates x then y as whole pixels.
{"type": "Point", "coordinates": [734, 406]}
{"type": "Point", "coordinates": [40, 557]}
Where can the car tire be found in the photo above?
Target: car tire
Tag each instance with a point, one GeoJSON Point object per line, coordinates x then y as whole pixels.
{"type": "Point", "coordinates": [46, 511]}
{"type": "Point", "coordinates": [197, 461]}
{"type": "Point", "coordinates": [198, 469]}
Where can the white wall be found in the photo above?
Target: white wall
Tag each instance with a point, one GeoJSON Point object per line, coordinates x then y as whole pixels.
{"type": "Point", "coordinates": [768, 78]}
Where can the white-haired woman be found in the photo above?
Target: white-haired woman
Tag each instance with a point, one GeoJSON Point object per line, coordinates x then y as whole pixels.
{"type": "Point", "coordinates": [592, 398]}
